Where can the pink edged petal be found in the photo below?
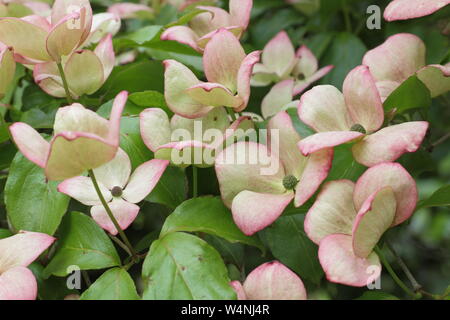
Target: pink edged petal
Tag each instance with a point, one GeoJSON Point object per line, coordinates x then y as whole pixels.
{"type": "Point", "coordinates": [248, 166]}
{"type": "Point", "coordinates": [342, 266]}
{"type": "Point", "coordinates": [213, 94]}
{"type": "Point", "coordinates": [302, 85]}
{"type": "Point", "coordinates": [209, 21]}
{"type": "Point", "coordinates": [66, 35]}
{"type": "Point", "coordinates": [436, 78]}
{"type": "Point", "coordinates": [332, 212]}
{"type": "Point", "coordinates": [18, 283]}
{"type": "Point", "coordinates": [72, 153]}
{"type": "Point", "coordinates": [47, 77]}
{"type": "Point", "coordinates": [155, 128]}
{"type": "Point", "coordinates": [183, 35]}
{"type": "Point", "coordinates": [203, 41]}
{"type": "Point", "coordinates": [323, 140]}
{"type": "Point", "coordinates": [253, 211]}
{"type": "Point", "coordinates": [240, 12]}
{"type": "Point", "coordinates": [307, 63]}
{"type": "Point", "coordinates": [128, 10]}
{"type": "Point", "coordinates": [279, 96]}
{"type": "Point", "coordinates": [105, 52]}
{"type": "Point", "coordinates": [283, 139]}
{"type": "Point", "coordinates": [30, 143]}
{"type": "Point", "coordinates": [82, 189]}
{"type": "Point", "coordinates": [398, 58]}
{"type": "Point", "coordinates": [244, 76]}
{"type": "Point", "coordinates": [7, 68]}
{"type": "Point", "coordinates": [373, 219]}
{"type": "Point", "coordinates": [222, 59]}
{"type": "Point", "coordinates": [389, 143]}
{"type": "Point", "coordinates": [278, 55]}
{"type": "Point", "coordinates": [114, 118]}
{"type": "Point", "coordinates": [26, 38]}
{"type": "Point", "coordinates": [274, 281]}
{"type": "Point", "coordinates": [124, 212]}
{"type": "Point", "coordinates": [363, 100]}
{"type": "Point", "coordinates": [92, 77]}
{"type": "Point", "coordinates": [239, 289]}
{"type": "Point", "coordinates": [103, 24]}
{"type": "Point", "coordinates": [76, 117]}
{"type": "Point", "coordinates": [392, 175]}
{"type": "Point", "coordinates": [386, 87]}
{"type": "Point", "coordinates": [314, 173]}
{"type": "Point", "coordinates": [261, 76]}
{"type": "Point", "coordinates": [185, 153]}
{"type": "Point", "coordinates": [38, 21]}
{"type": "Point", "coordinates": [116, 172]}
{"type": "Point", "coordinates": [410, 9]}
{"type": "Point", "coordinates": [144, 179]}
{"type": "Point", "coordinates": [178, 78]}
{"type": "Point", "coordinates": [22, 249]}
{"type": "Point", "coordinates": [323, 109]}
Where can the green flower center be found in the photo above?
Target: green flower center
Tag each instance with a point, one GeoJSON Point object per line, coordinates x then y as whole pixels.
{"type": "Point", "coordinates": [289, 182]}
{"type": "Point", "coordinates": [358, 128]}
{"type": "Point", "coordinates": [116, 191]}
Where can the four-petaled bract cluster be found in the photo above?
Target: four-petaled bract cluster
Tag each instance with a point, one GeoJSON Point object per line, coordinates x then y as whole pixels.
{"type": "Point", "coordinates": [258, 179]}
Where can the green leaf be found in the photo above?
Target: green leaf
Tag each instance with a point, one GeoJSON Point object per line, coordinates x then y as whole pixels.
{"type": "Point", "coordinates": [411, 94]}
{"type": "Point", "coordinates": [5, 233]}
{"type": "Point", "coordinates": [184, 19]}
{"type": "Point", "coordinates": [114, 284]}
{"type": "Point", "coordinates": [376, 295]}
{"type": "Point", "coordinates": [137, 38]}
{"type": "Point", "coordinates": [345, 53]}
{"type": "Point", "coordinates": [171, 189]}
{"type": "Point", "coordinates": [7, 153]}
{"type": "Point", "coordinates": [32, 203]}
{"type": "Point", "coordinates": [344, 166]}
{"type": "Point", "coordinates": [134, 77]}
{"type": "Point", "coordinates": [180, 266]}
{"type": "Point", "coordinates": [82, 243]}
{"type": "Point", "coordinates": [289, 244]}
{"type": "Point", "coordinates": [209, 215]}
{"type": "Point", "coordinates": [150, 99]}
{"type": "Point", "coordinates": [439, 198]}
{"type": "Point", "coordinates": [271, 23]}
{"type": "Point", "coordinates": [302, 129]}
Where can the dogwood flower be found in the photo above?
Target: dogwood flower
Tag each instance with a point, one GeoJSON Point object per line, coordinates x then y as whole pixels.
{"type": "Point", "coordinates": [186, 141]}
{"type": "Point", "coordinates": [85, 70]}
{"type": "Point", "coordinates": [258, 181]}
{"type": "Point", "coordinates": [281, 62]}
{"type": "Point", "coordinates": [22, 8]}
{"type": "Point", "coordinates": [82, 140]}
{"type": "Point", "coordinates": [347, 220]}
{"type": "Point", "coordinates": [410, 9]}
{"type": "Point", "coordinates": [270, 281]}
{"type": "Point", "coordinates": [127, 10]}
{"type": "Point", "coordinates": [306, 6]}
{"type": "Point", "coordinates": [203, 26]}
{"type": "Point", "coordinates": [35, 39]}
{"type": "Point", "coordinates": [119, 189]}
{"type": "Point", "coordinates": [279, 98]}
{"type": "Point", "coordinates": [7, 68]}
{"type": "Point", "coordinates": [17, 282]}
{"type": "Point", "coordinates": [357, 115]}
{"type": "Point", "coordinates": [401, 56]}
{"type": "Point", "coordinates": [228, 71]}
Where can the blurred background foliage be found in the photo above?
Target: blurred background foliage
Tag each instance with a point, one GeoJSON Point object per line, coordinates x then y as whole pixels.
{"type": "Point", "coordinates": [338, 35]}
